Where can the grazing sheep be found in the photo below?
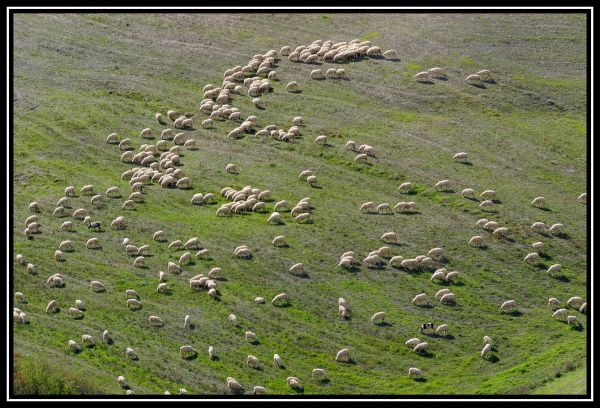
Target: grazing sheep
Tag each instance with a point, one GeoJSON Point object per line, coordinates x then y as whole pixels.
{"type": "Point", "coordinates": [75, 313]}
{"type": "Point", "coordinates": [251, 337]}
{"type": "Point", "coordinates": [292, 86]}
{"type": "Point", "coordinates": [378, 317]}
{"type": "Point", "coordinates": [553, 303]}
{"type": "Point", "coordinates": [538, 202]}
{"type": "Point", "coordinates": [441, 293]}
{"type": "Point", "coordinates": [560, 314]}
{"type": "Point", "coordinates": [384, 208]}
{"type": "Point", "coordinates": [303, 217]}
{"type": "Point", "coordinates": [436, 253]}
{"type": "Point", "coordinates": [87, 190]}
{"type": "Point", "coordinates": [74, 347]}
{"type": "Point", "coordinates": [231, 168]}
{"type": "Point", "coordinates": [185, 259]}
{"type": "Point", "coordinates": [131, 250]}
{"type": "Point", "coordinates": [279, 241]}
{"type": "Point", "coordinates": [573, 321]}
{"type": "Point", "coordinates": [487, 340]}
{"type": "Point", "coordinates": [294, 383]}
{"type": "Point", "coordinates": [421, 347]}
{"type": "Point", "coordinates": [484, 74]}
{"type": "Point", "coordinates": [139, 262]}
{"type": "Point", "coordinates": [390, 237]}
{"type": "Point", "coordinates": [252, 361]}
{"type": "Point", "coordinates": [448, 298]}
{"type": "Point", "coordinates": [31, 269]}
{"type": "Point", "coordinates": [173, 268]}
{"type": "Point", "coordinates": [575, 302]}
{"type": "Point", "coordinates": [436, 72]}
{"type": "Point", "coordinates": [343, 355]}
{"type": "Point", "coordinates": [553, 268]}
{"type": "Point", "coordinates": [259, 300]}
{"type": "Point", "coordinates": [396, 261]}
{"type": "Point", "coordinates": [451, 276]}
{"type": "Point", "coordinates": [414, 373]}
{"type": "Point", "coordinates": [203, 253]}
{"type": "Point", "coordinates": [20, 259]}
{"type": "Point", "coordinates": [176, 245]}
{"type": "Point", "coordinates": [421, 76]}
{"type": "Point", "coordinates": [442, 330]}
{"type": "Point", "coordinates": [460, 157]}
{"type": "Point", "coordinates": [275, 217]}
{"type": "Point", "coordinates": [482, 222]}
{"type": "Point", "coordinates": [312, 180]}
{"type": "Point", "coordinates": [473, 79]}
{"type": "Point", "coordinates": [97, 286]}
{"type": "Point", "coordinates": [538, 227]}
{"type": "Point", "coordinates": [488, 195]}
{"type": "Point", "coordinates": [59, 256]}
{"type": "Point", "coordinates": [367, 207]}
{"type": "Point", "coordinates": [162, 288]}
{"type": "Point", "coordinates": [532, 258]}
{"type": "Point", "coordinates": [486, 205]}
{"type": "Point", "coordinates": [134, 304]}
{"type": "Point", "coordinates": [59, 212]}
{"type": "Point", "coordinates": [155, 321]}
{"type": "Point", "coordinates": [487, 349]}
{"type": "Point", "coordinates": [20, 297]}
{"type": "Point", "coordinates": [279, 299]}
{"type": "Point", "coordinates": [476, 241]}
{"type": "Point", "coordinates": [420, 299]}
{"type": "Point", "coordinates": [106, 339]}
{"type": "Point", "coordinates": [538, 245]}
{"type": "Point", "coordinates": [508, 306]}
{"type": "Point", "coordinates": [405, 187]}
{"type": "Point", "coordinates": [442, 185]}
{"type": "Point", "coordinates": [361, 158]}
{"type": "Point", "coordinates": [52, 307]}
{"type": "Point", "coordinates": [234, 386]}
{"type": "Point", "coordinates": [582, 199]}
{"type": "Point", "coordinates": [556, 229]}
{"type": "Point", "coordinates": [70, 191]}
{"type": "Point", "coordinates": [321, 139]}
{"type": "Point", "coordinates": [297, 268]}
{"type": "Point", "coordinates": [500, 232]}
{"type": "Point", "coordinates": [583, 308]}
{"type": "Point", "coordinates": [144, 250]}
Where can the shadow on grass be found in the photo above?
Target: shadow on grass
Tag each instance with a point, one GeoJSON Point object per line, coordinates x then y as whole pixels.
{"type": "Point", "coordinates": [578, 328]}
{"type": "Point", "coordinates": [561, 278]}
{"type": "Point", "coordinates": [426, 354]}
{"type": "Point", "coordinates": [384, 324]}
{"type": "Point", "coordinates": [421, 379]}
{"type": "Point", "coordinates": [480, 86]}
{"type": "Point", "coordinates": [426, 82]}
{"type": "Point", "coordinates": [544, 209]}
{"type": "Point", "coordinates": [515, 313]}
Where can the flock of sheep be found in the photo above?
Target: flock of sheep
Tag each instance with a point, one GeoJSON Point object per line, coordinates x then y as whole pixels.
{"type": "Point", "coordinates": [160, 163]}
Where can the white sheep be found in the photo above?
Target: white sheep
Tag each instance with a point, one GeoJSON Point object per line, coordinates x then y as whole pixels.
{"type": "Point", "coordinates": [363, 157]}
{"type": "Point", "coordinates": [420, 299]}
{"type": "Point", "coordinates": [134, 304]}
{"type": "Point", "coordinates": [473, 79]}
{"type": "Point", "coordinates": [279, 241]}
{"type": "Point", "coordinates": [321, 139]}
{"type": "Point", "coordinates": [97, 286]}
{"type": "Point", "coordinates": [442, 185]}
{"type": "Point", "coordinates": [421, 347]}
{"type": "Point", "coordinates": [74, 347]}
{"type": "Point", "coordinates": [251, 337]}
{"type": "Point", "coordinates": [538, 227]}
{"type": "Point", "coordinates": [556, 229]}
{"type": "Point", "coordinates": [448, 298]}
{"type": "Point", "coordinates": [553, 303]}
{"type": "Point", "coordinates": [275, 217]}
{"type": "Point", "coordinates": [414, 372]}
{"type": "Point", "coordinates": [486, 205]}
{"type": "Point", "coordinates": [378, 317]}
{"type": "Point", "coordinates": [460, 157]}
{"type": "Point", "coordinates": [476, 241]}
{"type": "Point", "coordinates": [508, 306]}
{"type": "Point", "coordinates": [553, 268]}
{"type": "Point", "coordinates": [538, 245]}
{"type": "Point", "coordinates": [532, 258]}
{"type": "Point", "coordinates": [560, 314]}
{"type": "Point", "coordinates": [156, 321]}
{"type": "Point", "coordinates": [31, 269]}
{"type": "Point", "coordinates": [343, 356]}
{"type": "Point", "coordinates": [582, 199]}
{"type": "Point", "coordinates": [421, 76]}
{"type": "Point", "coordinates": [573, 321]}
{"type": "Point", "coordinates": [75, 313]}
{"type": "Point", "coordinates": [487, 349]}
{"type": "Point", "coordinates": [390, 237]}
{"type": "Point", "coordinates": [583, 308]}
{"type": "Point", "coordinates": [139, 262]}
{"type": "Point", "coordinates": [279, 299]}
{"type": "Point", "coordinates": [538, 202]}
{"type": "Point", "coordinates": [442, 330]}
{"type": "Point", "coordinates": [575, 302]}
{"type": "Point", "coordinates": [405, 187]}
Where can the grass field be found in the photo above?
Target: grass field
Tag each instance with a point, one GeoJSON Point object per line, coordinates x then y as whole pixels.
{"type": "Point", "coordinates": [79, 77]}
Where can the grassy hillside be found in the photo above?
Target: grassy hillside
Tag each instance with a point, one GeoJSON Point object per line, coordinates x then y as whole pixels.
{"type": "Point", "coordinates": [78, 78]}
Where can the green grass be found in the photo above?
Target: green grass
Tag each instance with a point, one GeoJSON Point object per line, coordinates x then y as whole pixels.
{"type": "Point", "coordinates": [76, 80]}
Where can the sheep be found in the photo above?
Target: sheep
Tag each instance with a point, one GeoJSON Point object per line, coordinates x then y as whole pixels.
{"type": "Point", "coordinates": [476, 241]}
{"type": "Point", "coordinates": [106, 339]}
{"type": "Point", "coordinates": [583, 308]}
{"type": "Point", "coordinates": [361, 158]}
{"type": "Point", "coordinates": [122, 382]}
{"type": "Point", "coordinates": [59, 256]}
{"type": "Point", "coordinates": [52, 307]}
{"type": "Point", "coordinates": [87, 190]}
{"type": "Point", "coordinates": [73, 346]}
{"type": "Point", "coordinates": [144, 250]}
{"type": "Point", "coordinates": [396, 261]}
{"type": "Point", "coordinates": [582, 199]}
{"type": "Point", "coordinates": [75, 313]}
{"type": "Point", "coordinates": [155, 321]}
{"type": "Point", "coordinates": [500, 232]}
{"type": "Point", "coordinates": [259, 103]}
{"type": "Point", "coordinates": [414, 372]}
{"type": "Point", "coordinates": [303, 217]}
{"type": "Point", "coordinates": [441, 292]}
{"type": "Point", "coordinates": [321, 140]}
{"type": "Point", "coordinates": [20, 259]}
{"type": "Point", "coordinates": [538, 202]}
{"type": "Point", "coordinates": [474, 78]}
{"type": "Point", "coordinates": [134, 304]}
{"type": "Point", "coordinates": [294, 383]}
{"type": "Point", "coordinates": [532, 258]}
{"type": "Point", "coordinates": [421, 347]}
{"type": "Point", "coordinates": [420, 299]}
{"type": "Point", "coordinates": [390, 237]}
{"type": "Point", "coordinates": [553, 304]}
{"type": "Point", "coordinates": [556, 229]}
{"type": "Point", "coordinates": [481, 223]}
{"type": "Point", "coordinates": [405, 187]}
{"type": "Point", "coordinates": [251, 337]}
{"type": "Point", "coordinates": [367, 207]}
{"type": "Point", "coordinates": [317, 74]}
{"type": "Point", "coordinates": [162, 288]}
{"type": "Point", "coordinates": [297, 268]}
{"type": "Point", "coordinates": [173, 268]}
{"type": "Point", "coordinates": [384, 208]}
{"type": "Point", "coordinates": [487, 349]}
{"type": "Point", "coordinates": [575, 302]}
{"type": "Point", "coordinates": [185, 259]}
{"type": "Point", "coordinates": [508, 306]}
{"type": "Point", "coordinates": [436, 253]}
{"type": "Point", "coordinates": [275, 217]}
{"type": "Point", "coordinates": [451, 276]}
{"type": "Point", "coordinates": [553, 268]}
{"type": "Point", "coordinates": [486, 205]}
{"type": "Point", "coordinates": [442, 185]}
{"type": "Point", "coordinates": [31, 269]}
{"type": "Point", "coordinates": [378, 317]}
{"type": "Point", "coordinates": [312, 180]}
{"type": "Point", "coordinates": [203, 253]}
{"type": "Point", "coordinates": [88, 340]}
{"type": "Point", "coordinates": [560, 314]}
{"type": "Point", "coordinates": [70, 191]}
{"type": "Point", "coordinates": [20, 297]}
{"type": "Point", "coordinates": [484, 74]}
{"type": "Point", "coordinates": [343, 356]}
{"type": "Point", "coordinates": [252, 361]}
{"type": "Point", "coordinates": [421, 76]}
{"type": "Point", "coordinates": [279, 299]}
{"type": "Point", "coordinates": [112, 192]}
{"type": "Point", "coordinates": [59, 212]}
{"type": "Point", "coordinates": [234, 386]}
{"type": "Point", "coordinates": [292, 86]}
{"type": "Point", "coordinates": [97, 286]}
{"type": "Point", "coordinates": [538, 227]}
{"type": "Point", "coordinates": [139, 262]}
{"type": "Point", "coordinates": [573, 321]}
{"type": "Point", "coordinates": [460, 157]}
{"type": "Point", "coordinates": [448, 298]}
{"type": "Point", "coordinates": [442, 330]}
{"type": "Point", "coordinates": [233, 320]}
{"type": "Point", "coordinates": [538, 246]}
{"type": "Point", "coordinates": [128, 205]}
